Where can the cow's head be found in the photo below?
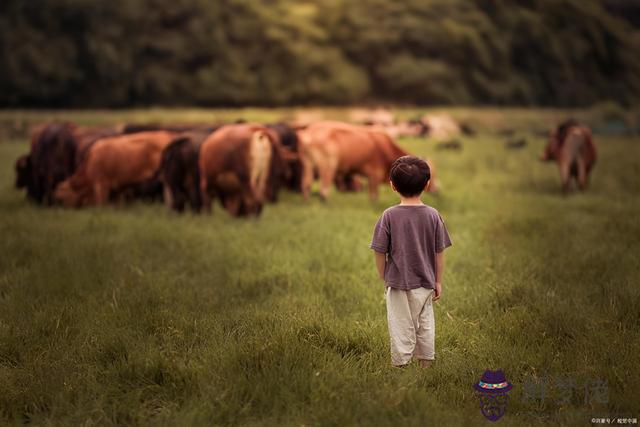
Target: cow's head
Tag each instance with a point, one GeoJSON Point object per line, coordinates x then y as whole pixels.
{"type": "Point", "coordinates": [66, 195]}
{"type": "Point", "coordinates": [551, 150]}
{"type": "Point", "coordinates": [23, 171]}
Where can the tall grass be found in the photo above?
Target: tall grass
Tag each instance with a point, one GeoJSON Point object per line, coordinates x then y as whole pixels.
{"type": "Point", "coordinates": [137, 315]}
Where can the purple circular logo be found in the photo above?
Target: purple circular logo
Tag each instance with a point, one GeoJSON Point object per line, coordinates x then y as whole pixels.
{"type": "Point", "coordinates": [492, 391]}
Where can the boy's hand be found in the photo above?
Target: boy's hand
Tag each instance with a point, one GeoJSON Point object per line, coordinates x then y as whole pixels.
{"type": "Point", "coordinates": [438, 291]}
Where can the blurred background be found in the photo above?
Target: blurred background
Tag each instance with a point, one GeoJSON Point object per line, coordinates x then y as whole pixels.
{"type": "Point", "coordinates": [84, 53]}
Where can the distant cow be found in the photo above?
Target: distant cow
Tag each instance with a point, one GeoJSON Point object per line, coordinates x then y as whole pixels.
{"type": "Point", "coordinates": [112, 165]}
{"type": "Point", "coordinates": [236, 163]}
{"type": "Point", "coordinates": [571, 146]}
{"type": "Point", "coordinates": [339, 150]}
{"type": "Point", "coordinates": [179, 171]}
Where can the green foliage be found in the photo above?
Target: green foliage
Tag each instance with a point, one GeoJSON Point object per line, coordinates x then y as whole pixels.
{"type": "Point", "coordinates": [292, 52]}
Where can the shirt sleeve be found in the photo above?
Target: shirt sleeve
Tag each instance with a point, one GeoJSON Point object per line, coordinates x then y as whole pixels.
{"type": "Point", "coordinates": [443, 240]}
{"type": "Point", "coordinates": [381, 236]}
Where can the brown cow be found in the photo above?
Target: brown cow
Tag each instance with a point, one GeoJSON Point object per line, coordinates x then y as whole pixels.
{"type": "Point", "coordinates": [571, 146]}
{"type": "Point", "coordinates": [236, 165]}
{"type": "Point", "coordinates": [339, 150]}
{"type": "Point", "coordinates": [113, 164]}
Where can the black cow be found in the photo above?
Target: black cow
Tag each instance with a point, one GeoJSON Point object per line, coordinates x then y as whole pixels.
{"type": "Point", "coordinates": [179, 172]}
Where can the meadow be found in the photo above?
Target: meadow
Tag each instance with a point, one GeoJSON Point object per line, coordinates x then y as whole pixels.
{"type": "Point", "coordinates": [140, 316]}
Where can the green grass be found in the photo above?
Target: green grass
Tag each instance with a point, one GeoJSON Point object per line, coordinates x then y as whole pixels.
{"type": "Point", "coordinates": [137, 315]}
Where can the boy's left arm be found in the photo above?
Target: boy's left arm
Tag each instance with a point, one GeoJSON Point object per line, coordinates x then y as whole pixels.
{"type": "Point", "coordinates": [381, 260]}
{"type": "Point", "coordinates": [439, 273]}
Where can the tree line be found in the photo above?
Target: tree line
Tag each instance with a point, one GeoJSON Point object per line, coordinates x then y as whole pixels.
{"type": "Point", "coordinates": [116, 53]}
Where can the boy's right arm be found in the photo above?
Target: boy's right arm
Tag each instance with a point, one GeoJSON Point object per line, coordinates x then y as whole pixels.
{"type": "Point", "coordinates": [381, 259]}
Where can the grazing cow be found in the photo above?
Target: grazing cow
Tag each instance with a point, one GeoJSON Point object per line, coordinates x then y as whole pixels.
{"type": "Point", "coordinates": [339, 150]}
{"type": "Point", "coordinates": [113, 165]}
{"type": "Point", "coordinates": [179, 171]}
{"type": "Point", "coordinates": [571, 146]}
{"type": "Point", "coordinates": [236, 165]}
{"type": "Point", "coordinates": [52, 159]}
{"type": "Point", "coordinates": [453, 144]}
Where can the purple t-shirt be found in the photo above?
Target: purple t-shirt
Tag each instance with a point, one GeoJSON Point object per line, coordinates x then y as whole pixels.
{"type": "Point", "coordinates": [410, 235]}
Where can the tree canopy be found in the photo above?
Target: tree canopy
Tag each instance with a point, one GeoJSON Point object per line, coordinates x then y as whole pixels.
{"type": "Point", "coordinates": [88, 53]}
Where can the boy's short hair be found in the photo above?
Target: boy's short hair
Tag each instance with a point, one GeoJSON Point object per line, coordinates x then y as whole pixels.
{"type": "Point", "coordinates": [409, 175]}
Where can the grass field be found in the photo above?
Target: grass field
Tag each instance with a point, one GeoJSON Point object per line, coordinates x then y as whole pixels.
{"type": "Point", "coordinates": [137, 315]}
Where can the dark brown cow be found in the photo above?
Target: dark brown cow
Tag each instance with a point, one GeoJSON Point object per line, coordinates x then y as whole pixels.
{"type": "Point", "coordinates": [571, 146]}
{"type": "Point", "coordinates": [112, 165]}
{"type": "Point", "coordinates": [180, 173]}
{"type": "Point", "coordinates": [236, 165]}
{"type": "Point", "coordinates": [340, 150]}
{"type": "Point", "coordinates": [52, 158]}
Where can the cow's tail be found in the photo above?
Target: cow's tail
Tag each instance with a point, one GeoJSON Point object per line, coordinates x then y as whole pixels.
{"type": "Point", "coordinates": [260, 158]}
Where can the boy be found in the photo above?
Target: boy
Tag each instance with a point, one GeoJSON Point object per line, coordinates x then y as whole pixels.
{"type": "Point", "coordinates": [409, 241]}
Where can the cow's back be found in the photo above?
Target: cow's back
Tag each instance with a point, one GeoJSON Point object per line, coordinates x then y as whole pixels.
{"type": "Point", "coordinates": [124, 159]}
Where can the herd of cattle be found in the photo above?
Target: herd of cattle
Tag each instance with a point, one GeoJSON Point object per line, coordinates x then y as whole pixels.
{"type": "Point", "coordinates": [243, 165]}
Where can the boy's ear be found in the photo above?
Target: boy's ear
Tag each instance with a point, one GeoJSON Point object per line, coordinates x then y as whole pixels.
{"type": "Point", "coordinates": [427, 185]}
{"type": "Point", "coordinates": [393, 187]}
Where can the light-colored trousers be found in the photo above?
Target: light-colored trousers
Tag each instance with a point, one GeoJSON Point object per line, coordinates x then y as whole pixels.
{"type": "Point", "coordinates": [411, 324]}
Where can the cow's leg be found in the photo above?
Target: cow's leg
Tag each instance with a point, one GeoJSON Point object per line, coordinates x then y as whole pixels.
{"type": "Point", "coordinates": [101, 193]}
{"type": "Point", "coordinates": [374, 178]}
{"type": "Point", "coordinates": [307, 177]}
{"type": "Point", "coordinates": [180, 200]}
{"type": "Point", "coordinates": [205, 196]}
{"type": "Point", "coordinates": [327, 177]}
{"type": "Point", "coordinates": [194, 196]}
{"type": "Point", "coordinates": [564, 176]}
{"type": "Point", "coordinates": [582, 173]}
{"type": "Point", "coordinates": [167, 195]}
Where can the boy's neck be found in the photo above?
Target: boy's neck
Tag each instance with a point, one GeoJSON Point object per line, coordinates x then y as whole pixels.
{"type": "Point", "coordinates": [409, 201]}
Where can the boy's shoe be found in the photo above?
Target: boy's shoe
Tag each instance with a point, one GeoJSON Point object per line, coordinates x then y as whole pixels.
{"type": "Point", "coordinates": [401, 366]}
{"type": "Point", "coordinates": [424, 363]}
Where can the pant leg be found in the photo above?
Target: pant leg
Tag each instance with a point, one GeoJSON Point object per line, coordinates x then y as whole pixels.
{"type": "Point", "coordinates": [421, 303]}
{"type": "Point", "coordinates": [401, 328]}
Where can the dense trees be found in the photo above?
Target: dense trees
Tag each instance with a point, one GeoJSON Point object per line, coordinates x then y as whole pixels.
{"type": "Point", "coordinates": [278, 52]}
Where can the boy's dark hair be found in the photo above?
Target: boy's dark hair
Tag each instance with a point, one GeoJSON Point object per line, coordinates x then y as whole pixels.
{"type": "Point", "coordinates": [410, 174]}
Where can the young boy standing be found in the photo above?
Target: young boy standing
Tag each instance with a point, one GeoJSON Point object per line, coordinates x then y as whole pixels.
{"type": "Point", "coordinates": [409, 241]}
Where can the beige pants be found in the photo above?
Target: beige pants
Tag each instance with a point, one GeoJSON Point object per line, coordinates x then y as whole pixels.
{"type": "Point", "coordinates": [411, 324]}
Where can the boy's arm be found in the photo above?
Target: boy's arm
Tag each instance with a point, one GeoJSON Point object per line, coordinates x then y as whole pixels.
{"type": "Point", "coordinates": [439, 272]}
{"type": "Point", "coordinates": [381, 259]}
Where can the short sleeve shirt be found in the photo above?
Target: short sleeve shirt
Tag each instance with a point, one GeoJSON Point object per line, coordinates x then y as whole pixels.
{"type": "Point", "coordinates": [411, 236]}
